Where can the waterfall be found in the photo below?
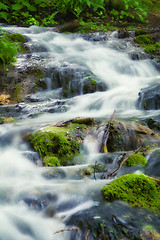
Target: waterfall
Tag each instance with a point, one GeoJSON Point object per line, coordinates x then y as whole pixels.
{"type": "Point", "coordinates": [32, 206]}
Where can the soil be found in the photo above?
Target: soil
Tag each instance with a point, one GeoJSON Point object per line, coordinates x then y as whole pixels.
{"type": "Point", "coordinates": [154, 20]}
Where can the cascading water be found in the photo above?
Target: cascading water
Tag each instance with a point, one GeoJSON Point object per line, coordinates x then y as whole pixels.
{"type": "Point", "coordinates": [25, 193]}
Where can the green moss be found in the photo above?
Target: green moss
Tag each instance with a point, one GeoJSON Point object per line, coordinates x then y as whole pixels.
{"type": "Point", "coordinates": [136, 159]}
{"type": "Point", "coordinates": [144, 40]}
{"type": "Point", "coordinates": [51, 161]}
{"type": "Point", "coordinates": [6, 120]}
{"type": "Point", "coordinates": [57, 142]}
{"type": "Point", "coordinates": [17, 37]}
{"type": "Point", "coordinates": [137, 190]}
{"type": "Point", "coordinates": [86, 171]}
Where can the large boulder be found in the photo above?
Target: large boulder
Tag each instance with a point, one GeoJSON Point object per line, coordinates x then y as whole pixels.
{"type": "Point", "coordinates": [149, 98]}
{"type": "Point", "coordinates": [126, 136]}
{"type": "Point", "coordinates": [75, 80]}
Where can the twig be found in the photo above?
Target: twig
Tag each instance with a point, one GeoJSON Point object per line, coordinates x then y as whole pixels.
{"type": "Point", "coordinates": [125, 158]}
{"type": "Point", "coordinates": [69, 229]}
{"type": "Point", "coordinates": [106, 133]}
{"type": "Point", "coordinates": [87, 235]}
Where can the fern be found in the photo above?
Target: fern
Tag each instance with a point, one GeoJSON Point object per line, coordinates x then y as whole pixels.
{"type": "Point", "coordinates": [3, 6]}
{"type": "Point", "coordinates": [17, 7]}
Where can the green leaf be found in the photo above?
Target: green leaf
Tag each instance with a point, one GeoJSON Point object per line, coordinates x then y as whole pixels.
{"type": "Point", "coordinates": [43, 5]}
{"type": "Point", "coordinates": [3, 6]}
{"type": "Point", "coordinates": [4, 15]}
{"type": "Point", "coordinates": [29, 6]}
{"type": "Point", "coordinates": [17, 7]}
{"type": "Point", "coordinates": [96, 217]}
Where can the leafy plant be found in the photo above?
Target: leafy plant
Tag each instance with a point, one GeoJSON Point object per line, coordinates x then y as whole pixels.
{"type": "Point", "coordinates": [8, 50]}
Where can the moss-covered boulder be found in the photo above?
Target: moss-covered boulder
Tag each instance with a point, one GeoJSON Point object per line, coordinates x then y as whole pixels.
{"type": "Point", "coordinates": [57, 145]}
{"type": "Point", "coordinates": [136, 159]}
{"type": "Point", "coordinates": [137, 190]}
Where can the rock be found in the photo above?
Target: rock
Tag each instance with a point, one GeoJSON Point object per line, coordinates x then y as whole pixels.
{"type": "Point", "coordinates": [95, 37]}
{"type": "Point", "coordinates": [149, 233]}
{"type": "Point", "coordinates": [153, 166]}
{"type": "Point", "coordinates": [60, 143]}
{"type": "Point", "coordinates": [136, 159]}
{"type": "Point", "coordinates": [55, 172]}
{"type": "Point", "coordinates": [75, 80]}
{"type": "Point", "coordinates": [126, 136]}
{"type": "Point", "coordinates": [137, 190]}
{"type": "Point", "coordinates": [149, 98]}
{"type": "Point", "coordinates": [123, 33]}
{"type": "Point", "coordinates": [153, 123]}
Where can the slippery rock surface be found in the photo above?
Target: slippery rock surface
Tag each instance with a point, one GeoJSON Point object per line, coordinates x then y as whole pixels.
{"type": "Point", "coordinates": [149, 98]}
{"type": "Point", "coordinates": [125, 136]}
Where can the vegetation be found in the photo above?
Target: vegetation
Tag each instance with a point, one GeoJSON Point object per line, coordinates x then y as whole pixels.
{"type": "Point", "coordinates": [47, 12]}
{"type": "Point", "coordinates": [55, 145]}
{"type": "Point", "coordinates": [147, 42]}
{"type": "Point", "coordinates": [10, 45]}
{"type": "Point", "coordinates": [137, 190]}
{"type": "Point", "coordinates": [136, 159]}
{"type": "Point", "coordinates": [8, 50]}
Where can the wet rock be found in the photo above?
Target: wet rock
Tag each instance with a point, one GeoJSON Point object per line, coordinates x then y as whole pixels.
{"type": "Point", "coordinates": [95, 37]}
{"type": "Point", "coordinates": [149, 98]}
{"type": "Point", "coordinates": [110, 221]}
{"type": "Point", "coordinates": [153, 166]}
{"type": "Point", "coordinates": [153, 123]}
{"type": "Point", "coordinates": [138, 55]}
{"type": "Point", "coordinates": [38, 201]}
{"type": "Point", "coordinates": [149, 233]}
{"type": "Point", "coordinates": [75, 80]}
{"type": "Point", "coordinates": [125, 136]}
{"type": "Point", "coordinates": [23, 110]}
{"type": "Point", "coordinates": [123, 33]}
{"type": "Point", "coordinates": [55, 173]}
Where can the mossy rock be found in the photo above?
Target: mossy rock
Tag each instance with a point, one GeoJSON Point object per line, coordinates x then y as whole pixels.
{"type": "Point", "coordinates": [51, 161]}
{"type": "Point", "coordinates": [86, 172]}
{"type": "Point", "coordinates": [149, 233]}
{"type": "Point", "coordinates": [144, 40]}
{"type": "Point", "coordinates": [93, 168]}
{"type": "Point", "coordinates": [137, 190]}
{"type": "Point", "coordinates": [56, 143]}
{"type": "Point", "coordinates": [17, 37]}
{"type": "Point", "coordinates": [6, 120]}
{"type": "Point", "coordinates": [136, 159]}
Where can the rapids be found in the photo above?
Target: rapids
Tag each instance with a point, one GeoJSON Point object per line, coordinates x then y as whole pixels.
{"type": "Point", "coordinates": [25, 193]}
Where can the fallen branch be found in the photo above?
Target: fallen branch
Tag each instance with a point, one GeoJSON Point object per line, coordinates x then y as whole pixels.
{"type": "Point", "coordinates": [106, 134]}
{"type": "Point", "coordinates": [69, 229]}
{"type": "Point", "coordinates": [124, 159]}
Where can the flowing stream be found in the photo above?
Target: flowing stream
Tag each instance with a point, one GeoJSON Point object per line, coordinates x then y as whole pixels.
{"type": "Point", "coordinates": [32, 206]}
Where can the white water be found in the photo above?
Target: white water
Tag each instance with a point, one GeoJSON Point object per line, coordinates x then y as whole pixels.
{"type": "Point", "coordinates": [19, 177]}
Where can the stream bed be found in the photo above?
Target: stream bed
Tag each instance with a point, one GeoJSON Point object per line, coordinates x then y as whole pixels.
{"type": "Point", "coordinates": [36, 207]}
